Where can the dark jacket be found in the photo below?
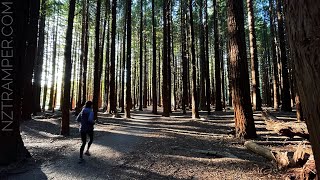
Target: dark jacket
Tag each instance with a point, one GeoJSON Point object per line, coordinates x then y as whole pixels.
{"type": "Point", "coordinates": [85, 118]}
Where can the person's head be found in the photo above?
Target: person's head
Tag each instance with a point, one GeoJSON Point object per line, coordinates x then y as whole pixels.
{"type": "Point", "coordinates": [88, 104]}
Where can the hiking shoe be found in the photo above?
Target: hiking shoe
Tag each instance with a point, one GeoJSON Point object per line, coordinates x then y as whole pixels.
{"type": "Point", "coordinates": [87, 153]}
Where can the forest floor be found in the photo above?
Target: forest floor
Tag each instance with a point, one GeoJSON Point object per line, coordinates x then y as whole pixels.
{"type": "Point", "coordinates": [149, 146]}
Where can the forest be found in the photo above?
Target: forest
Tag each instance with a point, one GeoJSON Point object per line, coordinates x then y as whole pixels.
{"type": "Point", "coordinates": [181, 89]}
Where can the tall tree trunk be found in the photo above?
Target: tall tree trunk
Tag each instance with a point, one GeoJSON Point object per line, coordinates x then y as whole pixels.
{"type": "Point", "coordinates": [302, 26]}
{"type": "Point", "coordinates": [85, 55]}
{"type": "Point", "coordinates": [222, 75]}
{"type": "Point", "coordinates": [65, 129]}
{"type": "Point", "coordinates": [82, 48]}
{"type": "Point", "coordinates": [275, 80]}
{"type": "Point", "coordinates": [285, 93]}
{"type": "Point", "coordinates": [28, 65]}
{"type": "Point", "coordinates": [107, 63]}
{"type": "Point", "coordinates": [268, 65]}
{"type": "Point", "coordinates": [145, 67]}
{"type": "Point", "coordinates": [112, 93]}
{"type": "Point", "coordinates": [244, 122]}
{"type": "Point", "coordinates": [102, 41]}
{"type": "Point", "coordinates": [229, 76]}
{"type": "Point", "coordinates": [74, 63]}
{"type": "Point", "coordinates": [254, 58]}
{"type": "Point", "coordinates": [39, 59]}
{"type": "Point", "coordinates": [141, 56]}
{"type": "Point", "coordinates": [10, 137]}
{"type": "Point", "coordinates": [54, 57]}
{"type": "Point", "coordinates": [165, 55]}
{"type": "Point", "coordinates": [195, 112]}
{"type": "Point", "coordinates": [45, 88]}
{"type": "Point", "coordinates": [202, 59]}
{"type": "Point", "coordinates": [159, 77]}
{"type": "Point", "coordinates": [169, 10]}
{"type": "Point", "coordinates": [97, 59]}
{"type": "Point", "coordinates": [123, 60]}
{"type": "Point", "coordinates": [184, 58]}
{"type": "Point", "coordinates": [217, 57]}
{"type": "Point", "coordinates": [207, 57]}
{"type": "Point", "coordinates": [154, 62]}
{"type": "Point", "coordinates": [128, 80]}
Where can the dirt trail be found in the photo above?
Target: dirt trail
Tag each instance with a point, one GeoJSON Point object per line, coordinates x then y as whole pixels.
{"type": "Point", "coordinates": [151, 147]}
{"type": "Point", "coordinates": [57, 156]}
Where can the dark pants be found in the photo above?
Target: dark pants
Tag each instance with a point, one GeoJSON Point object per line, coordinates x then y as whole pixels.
{"type": "Point", "coordinates": [84, 141]}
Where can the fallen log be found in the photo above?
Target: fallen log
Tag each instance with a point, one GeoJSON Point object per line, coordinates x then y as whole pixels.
{"type": "Point", "coordinates": [283, 159]}
{"type": "Point", "coordinates": [280, 158]}
{"type": "Point", "coordinates": [289, 129]}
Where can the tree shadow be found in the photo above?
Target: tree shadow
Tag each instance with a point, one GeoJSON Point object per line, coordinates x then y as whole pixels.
{"type": "Point", "coordinates": [28, 170]}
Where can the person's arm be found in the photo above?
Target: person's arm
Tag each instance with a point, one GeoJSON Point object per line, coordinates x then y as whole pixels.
{"type": "Point", "coordinates": [79, 117]}
{"type": "Point", "coordinates": [91, 117]}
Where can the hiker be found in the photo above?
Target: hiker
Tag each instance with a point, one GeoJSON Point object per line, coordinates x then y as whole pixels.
{"type": "Point", "coordinates": [85, 118]}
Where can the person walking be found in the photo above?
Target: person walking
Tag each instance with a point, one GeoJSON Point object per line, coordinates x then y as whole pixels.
{"type": "Point", "coordinates": [86, 120]}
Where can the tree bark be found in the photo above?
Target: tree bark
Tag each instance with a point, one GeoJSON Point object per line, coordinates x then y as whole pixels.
{"type": "Point", "coordinates": [206, 28]}
{"type": "Point", "coordinates": [217, 57]}
{"type": "Point", "coordinates": [39, 60]}
{"type": "Point", "coordinates": [195, 111]}
{"type": "Point", "coordinates": [165, 89]}
{"type": "Point", "coordinates": [13, 150]}
{"type": "Point", "coordinates": [254, 58]}
{"type": "Point", "coordinates": [154, 62]}
{"type": "Point", "coordinates": [145, 67]}
{"type": "Point", "coordinates": [112, 93]}
{"type": "Point", "coordinates": [65, 129]}
{"type": "Point", "coordinates": [30, 53]}
{"type": "Point", "coordinates": [128, 81]}
{"type": "Point", "coordinates": [285, 93]}
{"type": "Point", "coordinates": [244, 122]}
{"type": "Point", "coordinates": [141, 57]}
{"type": "Point", "coordinates": [45, 88]}
{"type": "Point", "coordinates": [85, 55]}
{"type": "Point", "coordinates": [54, 57]}
{"type": "Point", "coordinates": [107, 64]}
{"type": "Point", "coordinates": [184, 58]}
{"type": "Point", "coordinates": [97, 59]}
{"type": "Point", "coordinates": [303, 34]}
{"type": "Point", "coordinates": [275, 79]}
{"type": "Point", "coordinates": [202, 96]}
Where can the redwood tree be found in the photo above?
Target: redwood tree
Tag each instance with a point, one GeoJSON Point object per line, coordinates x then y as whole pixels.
{"type": "Point", "coordinates": [256, 97]}
{"type": "Point", "coordinates": [141, 57]}
{"type": "Point", "coordinates": [12, 147]}
{"type": "Point", "coordinates": [84, 51]}
{"type": "Point", "coordinates": [275, 79]}
{"type": "Point", "coordinates": [303, 34]}
{"type": "Point", "coordinates": [185, 62]}
{"type": "Point", "coordinates": [154, 62]}
{"type": "Point", "coordinates": [217, 58]}
{"type": "Point", "coordinates": [28, 65]}
{"type": "Point", "coordinates": [112, 94]}
{"type": "Point", "coordinates": [165, 55]}
{"type": "Point", "coordinates": [244, 122]}
{"type": "Point", "coordinates": [96, 88]}
{"type": "Point", "coordinates": [54, 58]}
{"type": "Point", "coordinates": [285, 91]}
{"type": "Point", "coordinates": [195, 111]}
{"type": "Point", "coordinates": [128, 80]}
{"type": "Point", "coordinates": [65, 129]}
{"type": "Point", "coordinates": [39, 60]}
